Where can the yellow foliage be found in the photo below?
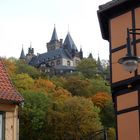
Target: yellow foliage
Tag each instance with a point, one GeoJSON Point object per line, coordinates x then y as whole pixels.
{"type": "Point", "coordinates": [10, 67]}
{"type": "Point", "coordinates": [61, 94]}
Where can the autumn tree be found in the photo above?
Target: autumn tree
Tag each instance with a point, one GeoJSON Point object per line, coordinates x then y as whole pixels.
{"type": "Point", "coordinates": [99, 85]}
{"type": "Point", "coordinates": [23, 67]}
{"type": "Point", "coordinates": [88, 67]}
{"type": "Point", "coordinates": [73, 119]}
{"type": "Point", "coordinates": [33, 115]}
{"type": "Point", "coordinates": [100, 99]}
{"type": "Point", "coordinates": [44, 85]}
{"type": "Point", "coordinates": [107, 114]}
{"type": "Point", "coordinates": [78, 86]}
{"type": "Point", "coordinates": [23, 82]}
{"type": "Point", "coordinates": [10, 65]}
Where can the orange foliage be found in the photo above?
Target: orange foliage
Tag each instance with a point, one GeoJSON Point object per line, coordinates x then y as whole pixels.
{"type": "Point", "coordinates": [100, 99]}
{"type": "Point", "coordinates": [44, 85]}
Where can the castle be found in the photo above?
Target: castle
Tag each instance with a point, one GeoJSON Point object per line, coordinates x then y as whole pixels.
{"type": "Point", "coordinates": [61, 57]}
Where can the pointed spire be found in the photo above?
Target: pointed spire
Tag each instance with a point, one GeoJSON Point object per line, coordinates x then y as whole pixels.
{"type": "Point", "coordinates": [99, 64]}
{"type": "Point", "coordinates": [99, 61]}
{"type": "Point", "coordinates": [22, 55]}
{"type": "Point", "coordinates": [54, 35]}
{"type": "Point", "coordinates": [30, 44]}
{"type": "Point", "coordinates": [69, 43]}
{"type": "Point", "coordinates": [90, 56]}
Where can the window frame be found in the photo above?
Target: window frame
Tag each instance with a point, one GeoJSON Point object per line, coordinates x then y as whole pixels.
{"type": "Point", "coordinates": [3, 124]}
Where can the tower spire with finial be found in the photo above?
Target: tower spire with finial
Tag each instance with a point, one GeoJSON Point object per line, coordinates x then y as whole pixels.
{"type": "Point", "coordinates": [54, 35]}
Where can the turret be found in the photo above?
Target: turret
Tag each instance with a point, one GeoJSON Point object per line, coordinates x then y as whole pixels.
{"type": "Point", "coordinates": [22, 55]}
{"type": "Point", "coordinates": [30, 54]}
{"type": "Point", "coordinates": [70, 45]}
{"type": "Point", "coordinates": [54, 42]}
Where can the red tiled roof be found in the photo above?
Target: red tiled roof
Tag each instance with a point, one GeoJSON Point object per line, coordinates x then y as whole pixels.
{"type": "Point", "coordinates": [8, 93]}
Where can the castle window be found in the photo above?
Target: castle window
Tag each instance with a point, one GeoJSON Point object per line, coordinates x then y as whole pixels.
{"type": "Point", "coordinates": [58, 62]}
{"type": "Point", "coordinates": [68, 63]}
{"type": "Point", "coordinates": [52, 63]}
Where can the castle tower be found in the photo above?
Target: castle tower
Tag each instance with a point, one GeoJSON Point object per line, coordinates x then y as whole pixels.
{"type": "Point", "coordinates": [70, 45]}
{"type": "Point", "coordinates": [22, 55]}
{"type": "Point", "coordinates": [54, 42]}
{"type": "Point", "coordinates": [30, 53]}
{"type": "Point", "coordinates": [81, 53]}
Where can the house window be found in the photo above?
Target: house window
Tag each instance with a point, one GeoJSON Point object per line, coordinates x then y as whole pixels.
{"type": "Point", "coordinates": [1, 126]}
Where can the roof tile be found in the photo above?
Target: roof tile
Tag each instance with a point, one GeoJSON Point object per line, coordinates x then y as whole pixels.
{"type": "Point", "coordinates": [7, 91]}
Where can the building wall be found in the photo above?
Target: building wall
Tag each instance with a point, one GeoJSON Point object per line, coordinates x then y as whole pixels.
{"type": "Point", "coordinates": [65, 62]}
{"type": "Point", "coordinates": [11, 121]}
{"type": "Point", "coordinates": [127, 100]}
{"type": "Point", "coordinates": [76, 60]}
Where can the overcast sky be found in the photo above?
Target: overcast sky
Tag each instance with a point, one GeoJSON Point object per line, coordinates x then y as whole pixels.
{"type": "Point", "coordinates": [25, 21]}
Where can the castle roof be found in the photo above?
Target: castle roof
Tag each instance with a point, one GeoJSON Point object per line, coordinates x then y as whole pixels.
{"type": "Point", "coordinates": [54, 36]}
{"type": "Point", "coordinates": [51, 55]}
{"type": "Point", "coordinates": [69, 43]}
{"type": "Point", "coordinates": [22, 55]}
{"type": "Point", "coordinates": [8, 94]}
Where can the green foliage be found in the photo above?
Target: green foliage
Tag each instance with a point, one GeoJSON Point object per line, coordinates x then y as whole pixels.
{"type": "Point", "coordinates": [32, 116]}
{"type": "Point", "coordinates": [99, 85]}
{"type": "Point", "coordinates": [50, 112]}
{"type": "Point", "coordinates": [73, 119]}
{"type": "Point", "coordinates": [111, 134]}
{"type": "Point", "coordinates": [22, 67]}
{"type": "Point", "coordinates": [88, 67]}
{"type": "Point", "coordinates": [23, 82]}
{"type": "Point", "coordinates": [77, 86]}
{"type": "Point", "coordinates": [107, 115]}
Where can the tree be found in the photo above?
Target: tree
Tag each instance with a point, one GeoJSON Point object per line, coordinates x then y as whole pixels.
{"type": "Point", "coordinates": [73, 119]}
{"type": "Point", "coordinates": [77, 86]}
{"type": "Point", "coordinates": [99, 85]}
{"type": "Point", "coordinates": [111, 134]}
{"type": "Point", "coordinates": [107, 114]}
{"type": "Point", "coordinates": [10, 65]}
{"type": "Point", "coordinates": [88, 67]}
{"type": "Point", "coordinates": [100, 99]}
{"type": "Point", "coordinates": [23, 82]}
{"type": "Point", "coordinates": [44, 85]}
{"type": "Point", "coordinates": [32, 116]}
{"type": "Point", "coordinates": [22, 67]}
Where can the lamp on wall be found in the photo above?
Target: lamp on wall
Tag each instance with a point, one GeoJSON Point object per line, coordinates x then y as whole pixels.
{"type": "Point", "coordinates": [130, 62]}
